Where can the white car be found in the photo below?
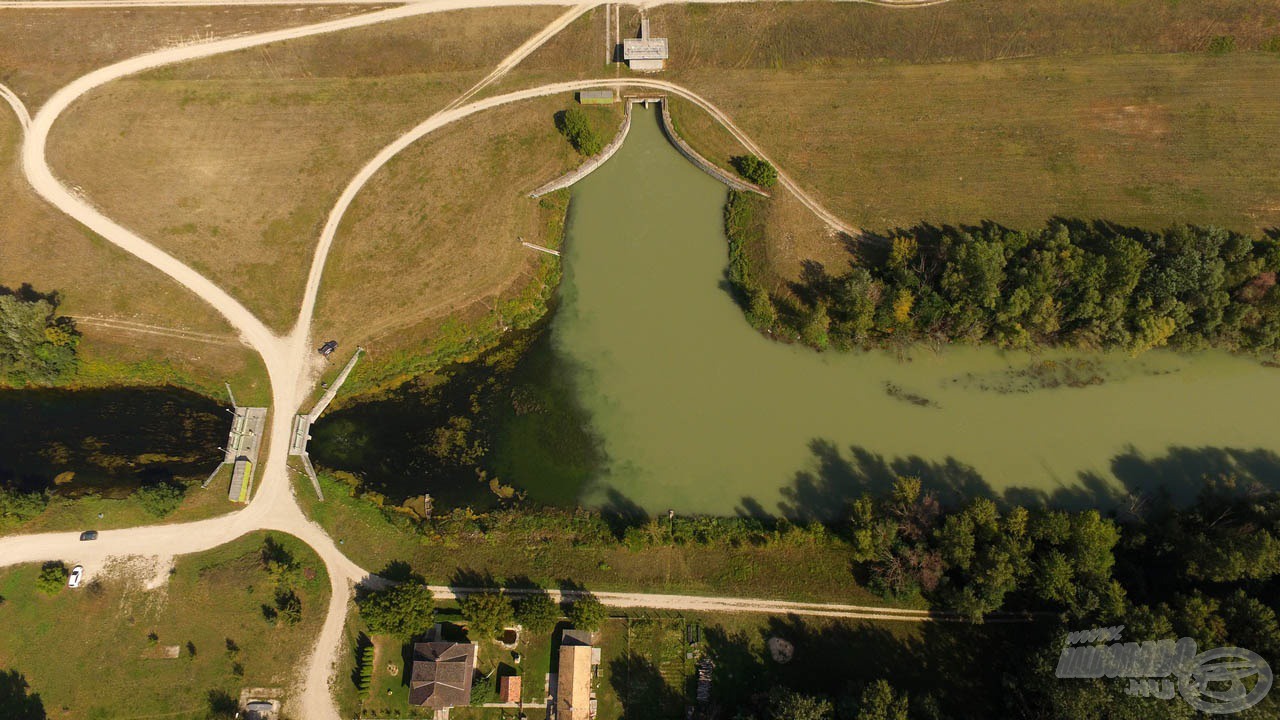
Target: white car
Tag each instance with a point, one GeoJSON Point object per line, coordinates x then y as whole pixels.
{"type": "Point", "coordinates": [76, 573]}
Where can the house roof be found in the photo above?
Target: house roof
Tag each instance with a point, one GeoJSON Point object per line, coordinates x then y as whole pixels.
{"type": "Point", "coordinates": [644, 49]}
{"type": "Point", "coordinates": [509, 688]}
{"type": "Point", "coordinates": [442, 674]}
{"type": "Point", "coordinates": [575, 637]}
{"type": "Point", "coordinates": [573, 683]}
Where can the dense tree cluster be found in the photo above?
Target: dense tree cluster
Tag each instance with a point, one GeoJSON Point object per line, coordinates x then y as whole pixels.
{"type": "Point", "coordinates": [1208, 572]}
{"type": "Point", "coordinates": [756, 170]}
{"type": "Point", "coordinates": [587, 612]}
{"type": "Point", "coordinates": [404, 610]}
{"type": "Point", "coordinates": [1069, 284]}
{"type": "Point", "coordinates": [487, 613]}
{"type": "Point", "coordinates": [975, 558]}
{"type": "Point", "coordinates": [37, 346]}
{"type": "Point", "coordinates": [537, 613]}
{"type": "Point", "coordinates": [576, 127]}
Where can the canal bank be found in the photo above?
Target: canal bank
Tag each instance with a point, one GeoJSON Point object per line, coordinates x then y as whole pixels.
{"type": "Point", "coordinates": [685, 407]}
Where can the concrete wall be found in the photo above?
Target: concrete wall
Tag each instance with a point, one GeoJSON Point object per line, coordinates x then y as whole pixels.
{"type": "Point", "coordinates": [592, 163]}
{"type": "Point", "coordinates": [668, 128]}
{"type": "Point", "coordinates": [705, 165]}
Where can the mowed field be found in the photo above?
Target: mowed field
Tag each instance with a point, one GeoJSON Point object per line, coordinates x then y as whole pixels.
{"type": "Point", "coordinates": [437, 231]}
{"type": "Point", "coordinates": [1145, 140]}
{"type": "Point", "coordinates": [45, 49]}
{"type": "Point", "coordinates": [1013, 112]}
{"type": "Point", "coordinates": [137, 324]}
{"type": "Point", "coordinates": [233, 163]}
{"type": "Point", "coordinates": [88, 651]}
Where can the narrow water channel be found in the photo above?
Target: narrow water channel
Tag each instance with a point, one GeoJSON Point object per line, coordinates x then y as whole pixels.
{"type": "Point", "coordinates": [109, 441]}
{"type": "Point", "coordinates": [651, 391]}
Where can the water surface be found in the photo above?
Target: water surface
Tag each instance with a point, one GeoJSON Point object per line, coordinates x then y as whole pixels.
{"type": "Point", "coordinates": [107, 440]}
{"type": "Point", "coordinates": [653, 392]}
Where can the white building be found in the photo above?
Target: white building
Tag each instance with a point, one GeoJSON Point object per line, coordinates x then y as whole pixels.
{"type": "Point", "coordinates": [646, 54]}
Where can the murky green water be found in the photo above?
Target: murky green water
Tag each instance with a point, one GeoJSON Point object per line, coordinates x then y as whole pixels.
{"type": "Point", "coordinates": [109, 440]}
{"type": "Point", "coordinates": [693, 410]}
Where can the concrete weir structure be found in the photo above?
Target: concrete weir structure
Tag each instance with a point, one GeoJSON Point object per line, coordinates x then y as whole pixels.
{"type": "Point", "coordinates": [301, 432]}
{"type": "Point", "coordinates": [668, 128]}
{"type": "Point", "coordinates": [242, 450]}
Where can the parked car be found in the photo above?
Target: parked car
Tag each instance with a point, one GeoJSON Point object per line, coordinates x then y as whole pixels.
{"type": "Point", "coordinates": [89, 535]}
{"type": "Point", "coordinates": [77, 572]}
{"type": "Point", "coordinates": [328, 348]}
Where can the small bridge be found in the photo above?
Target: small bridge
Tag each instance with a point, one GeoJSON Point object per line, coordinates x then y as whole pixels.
{"type": "Point", "coordinates": [301, 433]}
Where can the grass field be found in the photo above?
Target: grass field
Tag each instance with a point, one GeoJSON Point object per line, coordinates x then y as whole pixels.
{"type": "Point", "coordinates": [232, 163]}
{"type": "Point", "coordinates": [1145, 140]}
{"type": "Point", "coordinates": [96, 280]}
{"type": "Point", "coordinates": [1013, 112]}
{"type": "Point", "coordinates": [81, 513]}
{"type": "Point", "coordinates": [982, 110]}
{"type": "Point", "coordinates": [45, 49]}
{"type": "Point", "coordinates": [819, 571]}
{"type": "Point", "coordinates": [87, 652]}
{"type": "Point", "coordinates": [436, 233]}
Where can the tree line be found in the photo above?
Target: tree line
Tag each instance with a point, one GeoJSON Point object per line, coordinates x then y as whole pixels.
{"type": "Point", "coordinates": [37, 346]}
{"type": "Point", "coordinates": [1088, 285]}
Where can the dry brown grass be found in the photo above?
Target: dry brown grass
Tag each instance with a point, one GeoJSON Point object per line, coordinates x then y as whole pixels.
{"type": "Point", "coordinates": [435, 234]}
{"type": "Point", "coordinates": [1147, 140]}
{"type": "Point", "coordinates": [993, 110]}
{"type": "Point", "coordinates": [233, 163]}
{"type": "Point", "coordinates": [704, 134]}
{"type": "Point", "coordinates": [799, 36]}
{"type": "Point", "coordinates": [575, 53]}
{"type": "Point", "coordinates": [95, 279]}
{"type": "Point", "coordinates": [44, 49]}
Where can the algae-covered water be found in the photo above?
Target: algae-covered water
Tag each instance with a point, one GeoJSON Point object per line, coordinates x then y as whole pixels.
{"type": "Point", "coordinates": [108, 440]}
{"type": "Point", "coordinates": [653, 392]}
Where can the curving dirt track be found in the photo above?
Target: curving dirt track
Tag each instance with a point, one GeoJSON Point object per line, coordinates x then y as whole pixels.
{"type": "Point", "coordinates": [288, 357]}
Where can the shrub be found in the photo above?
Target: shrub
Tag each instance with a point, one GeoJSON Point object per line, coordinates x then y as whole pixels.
{"type": "Point", "coordinates": [20, 506]}
{"type": "Point", "coordinates": [36, 344]}
{"type": "Point", "coordinates": [404, 610]}
{"type": "Point", "coordinates": [587, 613]}
{"type": "Point", "coordinates": [289, 607]}
{"type": "Point", "coordinates": [160, 499]}
{"type": "Point", "coordinates": [53, 577]}
{"type": "Point", "coordinates": [364, 674]}
{"type": "Point", "coordinates": [1222, 44]}
{"type": "Point", "coordinates": [574, 125]}
{"type": "Point", "coordinates": [755, 170]}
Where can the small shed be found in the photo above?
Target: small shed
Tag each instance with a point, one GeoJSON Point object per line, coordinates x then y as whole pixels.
{"type": "Point", "coordinates": [509, 688]}
{"type": "Point", "coordinates": [597, 97]}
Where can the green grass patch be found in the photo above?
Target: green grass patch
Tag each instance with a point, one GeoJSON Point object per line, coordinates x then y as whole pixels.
{"type": "Point", "coordinates": [99, 651]}
{"type": "Point", "coordinates": [549, 547]}
{"type": "Point", "coordinates": [82, 511]}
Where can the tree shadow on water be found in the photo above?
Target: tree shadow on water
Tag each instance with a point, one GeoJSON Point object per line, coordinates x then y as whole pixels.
{"type": "Point", "coordinates": [836, 477]}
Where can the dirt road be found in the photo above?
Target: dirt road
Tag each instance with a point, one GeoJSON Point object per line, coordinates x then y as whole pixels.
{"type": "Point", "coordinates": [291, 364]}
